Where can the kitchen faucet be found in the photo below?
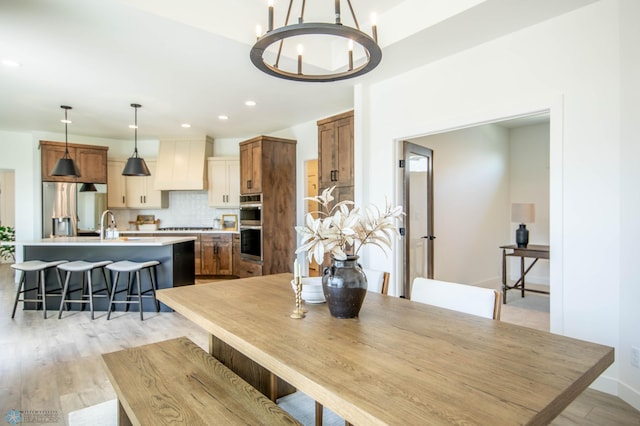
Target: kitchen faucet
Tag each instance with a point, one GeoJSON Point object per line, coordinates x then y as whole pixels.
{"type": "Point", "coordinates": [102, 229]}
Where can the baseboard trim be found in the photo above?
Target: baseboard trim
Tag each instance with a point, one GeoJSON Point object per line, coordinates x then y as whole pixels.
{"type": "Point", "coordinates": [629, 395]}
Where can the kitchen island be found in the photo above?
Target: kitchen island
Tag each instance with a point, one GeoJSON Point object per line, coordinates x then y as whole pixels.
{"type": "Point", "coordinates": [175, 254]}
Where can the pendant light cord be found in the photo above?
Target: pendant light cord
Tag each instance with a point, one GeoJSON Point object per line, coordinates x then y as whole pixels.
{"type": "Point", "coordinates": [66, 136]}
{"type": "Point", "coordinates": [135, 130]}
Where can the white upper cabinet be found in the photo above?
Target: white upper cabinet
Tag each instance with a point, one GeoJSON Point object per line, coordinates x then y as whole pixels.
{"type": "Point", "coordinates": [134, 192]}
{"type": "Point", "coordinates": [224, 182]}
{"type": "Point", "coordinates": [182, 164]}
{"type": "Point", "coordinates": [116, 184]}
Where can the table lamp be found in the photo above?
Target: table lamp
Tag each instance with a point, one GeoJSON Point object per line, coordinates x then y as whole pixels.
{"type": "Point", "coordinates": [523, 213]}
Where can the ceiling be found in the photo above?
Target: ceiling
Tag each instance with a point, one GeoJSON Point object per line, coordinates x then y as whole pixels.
{"type": "Point", "coordinates": [188, 61]}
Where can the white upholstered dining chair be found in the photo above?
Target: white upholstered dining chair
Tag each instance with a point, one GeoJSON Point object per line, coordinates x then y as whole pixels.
{"type": "Point", "coordinates": [484, 302]}
{"type": "Point", "coordinates": [377, 281]}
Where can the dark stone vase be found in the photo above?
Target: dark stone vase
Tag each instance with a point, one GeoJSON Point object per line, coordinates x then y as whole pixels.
{"type": "Point", "coordinates": [344, 286]}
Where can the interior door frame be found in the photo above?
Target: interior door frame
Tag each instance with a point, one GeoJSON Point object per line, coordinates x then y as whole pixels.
{"type": "Point", "coordinates": [407, 149]}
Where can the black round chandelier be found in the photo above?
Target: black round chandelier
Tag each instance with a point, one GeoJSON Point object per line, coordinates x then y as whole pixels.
{"type": "Point", "coordinates": [274, 39]}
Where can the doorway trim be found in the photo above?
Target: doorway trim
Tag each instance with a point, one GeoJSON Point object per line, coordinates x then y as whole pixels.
{"type": "Point", "coordinates": [554, 106]}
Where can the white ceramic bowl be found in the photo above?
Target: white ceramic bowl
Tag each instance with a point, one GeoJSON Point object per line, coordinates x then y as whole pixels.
{"type": "Point", "coordinates": [311, 289]}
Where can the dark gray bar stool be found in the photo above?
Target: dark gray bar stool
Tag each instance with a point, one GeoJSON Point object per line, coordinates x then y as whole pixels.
{"type": "Point", "coordinates": [88, 268]}
{"type": "Point", "coordinates": [130, 298]}
{"type": "Point", "coordinates": [40, 267]}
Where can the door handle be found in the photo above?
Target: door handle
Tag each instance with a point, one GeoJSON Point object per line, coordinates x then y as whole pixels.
{"type": "Point", "coordinates": [429, 237]}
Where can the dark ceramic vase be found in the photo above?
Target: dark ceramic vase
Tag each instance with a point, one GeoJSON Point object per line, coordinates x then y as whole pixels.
{"type": "Point", "coordinates": [522, 236]}
{"type": "Point", "coordinates": [344, 286]}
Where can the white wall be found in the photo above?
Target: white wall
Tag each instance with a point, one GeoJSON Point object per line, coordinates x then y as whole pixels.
{"type": "Point", "coordinates": [571, 66]}
{"type": "Point", "coordinates": [21, 155]}
{"type": "Point", "coordinates": [629, 205]}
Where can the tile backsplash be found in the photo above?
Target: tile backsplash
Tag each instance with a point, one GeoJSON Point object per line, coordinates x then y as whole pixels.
{"type": "Point", "coordinates": [186, 208]}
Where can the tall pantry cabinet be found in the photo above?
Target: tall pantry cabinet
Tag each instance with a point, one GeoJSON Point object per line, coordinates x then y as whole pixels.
{"type": "Point", "coordinates": [335, 155]}
{"type": "Point", "coordinates": [268, 167]}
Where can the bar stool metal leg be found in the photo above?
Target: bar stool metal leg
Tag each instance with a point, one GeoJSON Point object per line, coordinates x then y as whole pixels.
{"type": "Point", "coordinates": [130, 298]}
{"type": "Point", "coordinates": [23, 277]}
{"type": "Point", "coordinates": [86, 269]}
{"type": "Point", "coordinates": [39, 267]}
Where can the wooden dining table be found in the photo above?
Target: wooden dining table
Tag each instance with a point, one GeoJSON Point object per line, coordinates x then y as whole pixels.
{"type": "Point", "coordinates": [399, 362]}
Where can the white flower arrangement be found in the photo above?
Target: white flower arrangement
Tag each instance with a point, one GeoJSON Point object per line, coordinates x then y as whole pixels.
{"type": "Point", "coordinates": [338, 228]}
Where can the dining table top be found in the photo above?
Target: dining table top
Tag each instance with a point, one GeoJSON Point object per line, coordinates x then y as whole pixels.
{"type": "Point", "coordinates": [399, 362]}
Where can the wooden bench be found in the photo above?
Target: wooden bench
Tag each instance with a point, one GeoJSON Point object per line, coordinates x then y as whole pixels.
{"type": "Point", "coordinates": [177, 382]}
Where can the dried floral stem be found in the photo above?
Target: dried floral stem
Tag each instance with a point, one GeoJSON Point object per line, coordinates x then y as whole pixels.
{"type": "Point", "coordinates": [337, 227]}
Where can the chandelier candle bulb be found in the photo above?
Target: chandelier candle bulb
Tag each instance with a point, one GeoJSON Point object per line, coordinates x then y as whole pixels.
{"type": "Point", "coordinates": [350, 55]}
{"type": "Point", "coordinates": [337, 8]}
{"type": "Point", "coordinates": [300, 59]}
{"type": "Point", "coordinates": [270, 15]}
{"type": "Point", "coordinates": [374, 27]}
{"type": "Point", "coordinates": [258, 31]}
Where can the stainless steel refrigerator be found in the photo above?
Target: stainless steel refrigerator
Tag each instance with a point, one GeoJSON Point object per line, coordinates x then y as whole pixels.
{"type": "Point", "coordinates": [68, 210]}
{"type": "Point", "coordinates": [59, 209]}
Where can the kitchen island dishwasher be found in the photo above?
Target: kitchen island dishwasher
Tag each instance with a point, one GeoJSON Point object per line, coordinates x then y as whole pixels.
{"type": "Point", "coordinates": [175, 254]}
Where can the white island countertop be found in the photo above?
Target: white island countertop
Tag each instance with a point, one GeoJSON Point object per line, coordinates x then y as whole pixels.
{"type": "Point", "coordinates": [95, 241]}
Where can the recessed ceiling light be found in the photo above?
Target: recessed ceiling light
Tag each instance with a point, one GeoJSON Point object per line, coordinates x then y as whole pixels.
{"type": "Point", "coordinates": [133, 126]}
{"type": "Point", "coordinates": [66, 121]}
{"type": "Point", "coordinates": [223, 117]}
{"type": "Point", "coordinates": [10, 63]}
{"type": "Point", "coordinates": [250, 103]}
{"type": "Point", "coordinates": [185, 125]}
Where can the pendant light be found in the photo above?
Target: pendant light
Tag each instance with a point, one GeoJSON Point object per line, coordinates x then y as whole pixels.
{"type": "Point", "coordinates": [88, 187]}
{"type": "Point", "coordinates": [65, 166]}
{"type": "Point", "coordinates": [136, 165]}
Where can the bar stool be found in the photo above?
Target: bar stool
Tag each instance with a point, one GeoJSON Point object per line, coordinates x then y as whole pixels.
{"type": "Point", "coordinates": [40, 267]}
{"type": "Point", "coordinates": [130, 267]}
{"type": "Point", "coordinates": [88, 267]}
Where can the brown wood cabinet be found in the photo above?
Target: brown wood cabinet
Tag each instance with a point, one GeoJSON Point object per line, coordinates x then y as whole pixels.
{"type": "Point", "coordinates": [216, 254]}
{"type": "Point", "coordinates": [244, 268]}
{"type": "Point", "coordinates": [251, 167]}
{"type": "Point", "coordinates": [270, 166]}
{"type": "Point", "coordinates": [335, 152]}
{"type": "Point", "coordinates": [90, 159]}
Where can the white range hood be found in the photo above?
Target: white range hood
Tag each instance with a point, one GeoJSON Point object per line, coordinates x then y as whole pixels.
{"type": "Point", "coordinates": [182, 163]}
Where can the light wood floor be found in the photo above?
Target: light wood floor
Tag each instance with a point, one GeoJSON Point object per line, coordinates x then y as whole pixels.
{"type": "Point", "coordinates": [55, 365]}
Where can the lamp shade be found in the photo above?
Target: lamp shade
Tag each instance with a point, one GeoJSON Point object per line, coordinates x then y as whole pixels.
{"type": "Point", "coordinates": [65, 167]}
{"type": "Point", "coordinates": [88, 187]}
{"type": "Point", "coordinates": [523, 212]}
{"type": "Point", "coordinates": [136, 167]}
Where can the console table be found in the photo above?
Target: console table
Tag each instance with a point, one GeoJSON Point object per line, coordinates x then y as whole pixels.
{"type": "Point", "coordinates": [531, 251]}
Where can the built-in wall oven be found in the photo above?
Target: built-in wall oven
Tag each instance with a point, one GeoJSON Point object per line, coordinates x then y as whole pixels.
{"type": "Point", "coordinates": [251, 227]}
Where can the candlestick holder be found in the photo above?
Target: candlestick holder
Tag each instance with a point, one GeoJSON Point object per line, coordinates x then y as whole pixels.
{"type": "Point", "coordinates": [298, 312]}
